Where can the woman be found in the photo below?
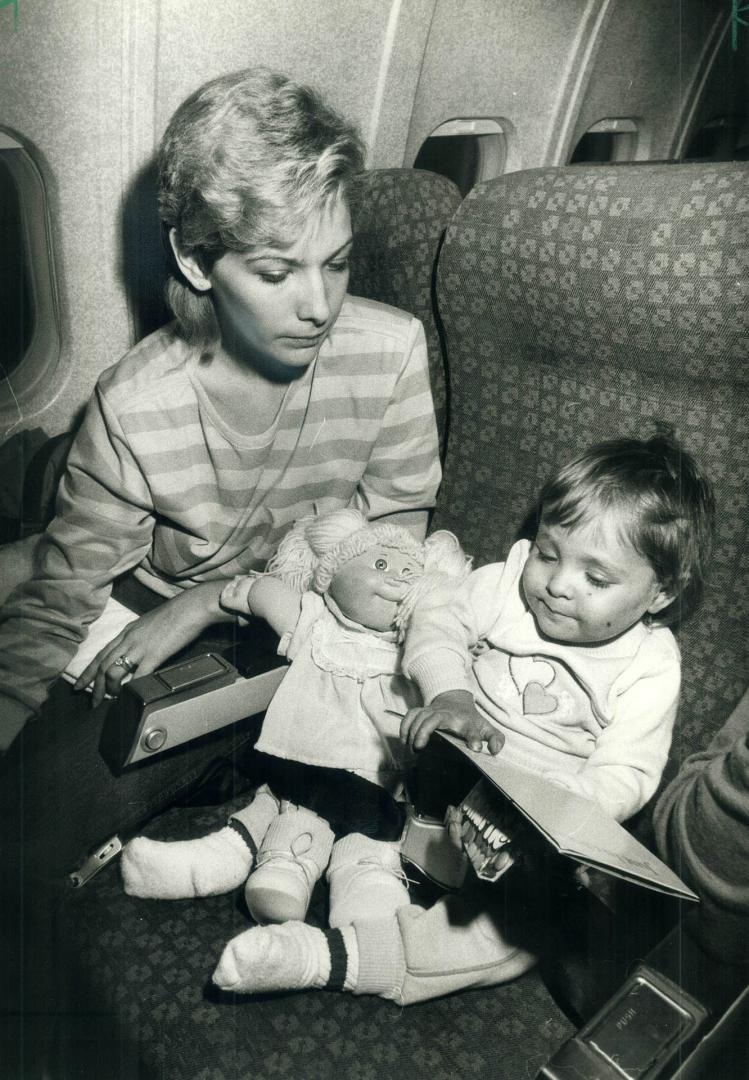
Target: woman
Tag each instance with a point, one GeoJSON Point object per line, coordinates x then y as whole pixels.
{"type": "Point", "coordinates": [209, 438]}
{"type": "Point", "coordinates": [271, 396]}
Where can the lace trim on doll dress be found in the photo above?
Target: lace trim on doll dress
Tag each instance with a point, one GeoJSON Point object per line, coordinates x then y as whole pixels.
{"type": "Point", "coordinates": [351, 653]}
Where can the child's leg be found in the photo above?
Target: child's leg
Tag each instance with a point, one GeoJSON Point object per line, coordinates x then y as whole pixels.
{"type": "Point", "coordinates": [206, 866]}
{"type": "Point", "coordinates": [366, 879]}
{"type": "Point", "coordinates": [412, 956]}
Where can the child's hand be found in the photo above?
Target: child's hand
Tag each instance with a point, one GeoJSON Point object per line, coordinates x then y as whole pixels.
{"type": "Point", "coordinates": [453, 711]}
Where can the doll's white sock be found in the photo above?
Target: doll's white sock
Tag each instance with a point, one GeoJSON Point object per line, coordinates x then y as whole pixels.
{"type": "Point", "coordinates": [206, 866]}
{"type": "Point", "coordinates": [289, 956]}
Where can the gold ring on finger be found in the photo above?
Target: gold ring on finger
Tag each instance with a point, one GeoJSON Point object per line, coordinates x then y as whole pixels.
{"type": "Point", "coordinates": [128, 664]}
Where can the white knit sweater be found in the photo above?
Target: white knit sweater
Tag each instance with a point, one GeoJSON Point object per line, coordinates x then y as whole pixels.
{"type": "Point", "coordinates": [595, 719]}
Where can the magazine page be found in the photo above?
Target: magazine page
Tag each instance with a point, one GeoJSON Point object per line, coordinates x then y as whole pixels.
{"type": "Point", "coordinates": [575, 826]}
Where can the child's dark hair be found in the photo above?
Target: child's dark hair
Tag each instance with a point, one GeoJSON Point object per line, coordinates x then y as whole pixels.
{"type": "Point", "coordinates": [667, 506]}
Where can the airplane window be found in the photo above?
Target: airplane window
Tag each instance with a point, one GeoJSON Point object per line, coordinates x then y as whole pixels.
{"type": "Point", "coordinates": [16, 315]}
{"type": "Point", "coordinates": [465, 151]}
{"type": "Point", "coordinates": [606, 141]}
{"type": "Point", "coordinates": [718, 140]}
{"type": "Point", "coordinates": [29, 328]}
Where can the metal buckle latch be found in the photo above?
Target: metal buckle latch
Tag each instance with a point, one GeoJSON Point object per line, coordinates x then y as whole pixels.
{"type": "Point", "coordinates": [95, 862]}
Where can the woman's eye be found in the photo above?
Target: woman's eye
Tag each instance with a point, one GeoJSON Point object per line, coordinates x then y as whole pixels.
{"type": "Point", "coordinates": [339, 266]}
{"type": "Point", "coordinates": [598, 583]}
{"type": "Point", "coordinates": [381, 564]}
{"type": "Point", "coordinates": [274, 278]}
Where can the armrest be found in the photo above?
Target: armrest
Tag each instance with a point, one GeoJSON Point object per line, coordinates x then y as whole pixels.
{"type": "Point", "coordinates": [188, 699]}
{"type": "Point", "coordinates": [673, 1015]}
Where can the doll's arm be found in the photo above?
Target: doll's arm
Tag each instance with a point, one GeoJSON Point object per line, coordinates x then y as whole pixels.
{"type": "Point", "coordinates": [266, 597]}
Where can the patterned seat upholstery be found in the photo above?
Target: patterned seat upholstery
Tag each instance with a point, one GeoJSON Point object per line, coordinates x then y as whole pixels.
{"type": "Point", "coordinates": [399, 218]}
{"type": "Point", "coordinates": [144, 1007]}
{"type": "Point", "coordinates": [585, 302]}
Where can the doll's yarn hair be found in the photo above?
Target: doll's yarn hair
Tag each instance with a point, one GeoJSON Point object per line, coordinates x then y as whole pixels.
{"type": "Point", "coordinates": [446, 565]}
{"type": "Point", "coordinates": [310, 555]}
{"type": "Point", "coordinates": [315, 549]}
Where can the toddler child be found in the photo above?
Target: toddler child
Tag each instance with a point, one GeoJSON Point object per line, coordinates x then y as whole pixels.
{"type": "Point", "coordinates": [562, 658]}
{"type": "Point", "coordinates": [577, 673]}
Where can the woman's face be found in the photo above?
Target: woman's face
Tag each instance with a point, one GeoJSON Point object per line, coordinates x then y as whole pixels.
{"type": "Point", "coordinates": [278, 303]}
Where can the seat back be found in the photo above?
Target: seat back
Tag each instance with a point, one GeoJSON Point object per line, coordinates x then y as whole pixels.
{"type": "Point", "coordinates": [399, 218]}
{"type": "Point", "coordinates": [581, 303]}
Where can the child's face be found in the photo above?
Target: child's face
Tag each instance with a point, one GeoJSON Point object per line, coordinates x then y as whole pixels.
{"type": "Point", "coordinates": [587, 584]}
{"type": "Point", "coordinates": [281, 301]}
{"type": "Point", "coordinates": [369, 588]}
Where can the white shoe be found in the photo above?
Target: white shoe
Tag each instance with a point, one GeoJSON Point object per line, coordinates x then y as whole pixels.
{"type": "Point", "coordinates": [366, 879]}
{"type": "Point", "coordinates": [291, 860]}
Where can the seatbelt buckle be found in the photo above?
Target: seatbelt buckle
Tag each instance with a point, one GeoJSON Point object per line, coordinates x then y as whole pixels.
{"type": "Point", "coordinates": [95, 862]}
{"type": "Point", "coordinates": [425, 842]}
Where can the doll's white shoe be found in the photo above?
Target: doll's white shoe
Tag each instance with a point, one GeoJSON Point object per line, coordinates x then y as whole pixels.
{"type": "Point", "coordinates": [366, 879]}
{"type": "Point", "coordinates": [291, 860]}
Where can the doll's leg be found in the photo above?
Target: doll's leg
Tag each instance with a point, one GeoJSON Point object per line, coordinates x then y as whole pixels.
{"type": "Point", "coordinates": [366, 879]}
{"type": "Point", "coordinates": [292, 858]}
{"type": "Point", "coordinates": [412, 956]}
{"type": "Point", "coordinates": [206, 866]}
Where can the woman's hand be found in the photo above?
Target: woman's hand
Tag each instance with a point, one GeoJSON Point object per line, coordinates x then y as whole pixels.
{"type": "Point", "coordinates": [235, 595]}
{"type": "Point", "coordinates": [145, 644]}
{"type": "Point", "coordinates": [453, 711]}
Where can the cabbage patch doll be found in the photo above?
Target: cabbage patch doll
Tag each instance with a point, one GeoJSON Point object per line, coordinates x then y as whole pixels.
{"type": "Point", "coordinates": [339, 592]}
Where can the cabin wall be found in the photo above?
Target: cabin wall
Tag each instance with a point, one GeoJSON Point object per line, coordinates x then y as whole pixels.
{"type": "Point", "coordinates": [518, 62]}
{"type": "Point", "coordinates": [548, 72]}
{"type": "Point", "coordinates": [94, 102]}
{"type": "Point", "coordinates": [647, 69]}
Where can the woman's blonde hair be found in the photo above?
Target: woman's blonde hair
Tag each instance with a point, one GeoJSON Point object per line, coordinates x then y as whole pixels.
{"type": "Point", "coordinates": [246, 158]}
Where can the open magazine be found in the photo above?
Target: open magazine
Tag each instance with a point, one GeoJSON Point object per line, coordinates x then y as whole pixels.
{"type": "Point", "coordinates": [574, 825]}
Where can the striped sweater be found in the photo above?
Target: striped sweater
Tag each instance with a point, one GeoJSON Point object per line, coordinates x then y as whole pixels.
{"type": "Point", "coordinates": [157, 482]}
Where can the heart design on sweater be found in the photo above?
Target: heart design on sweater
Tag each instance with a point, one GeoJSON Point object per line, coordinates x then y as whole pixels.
{"type": "Point", "coordinates": [536, 701]}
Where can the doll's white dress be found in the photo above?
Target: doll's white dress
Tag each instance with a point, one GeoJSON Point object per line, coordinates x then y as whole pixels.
{"type": "Point", "coordinates": [341, 702]}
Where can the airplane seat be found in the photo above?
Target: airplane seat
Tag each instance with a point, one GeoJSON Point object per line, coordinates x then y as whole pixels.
{"type": "Point", "coordinates": [36, 508]}
{"type": "Point", "coordinates": [136, 1000]}
{"type": "Point", "coordinates": [414, 207]}
{"type": "Point", "coordinates": [586, 302]}
{"type": "Point", "coordinates": [578, 304]}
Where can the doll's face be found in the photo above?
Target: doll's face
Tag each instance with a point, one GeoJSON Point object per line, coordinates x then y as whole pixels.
{"type": "Point", "coordinates": [369, 588]}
